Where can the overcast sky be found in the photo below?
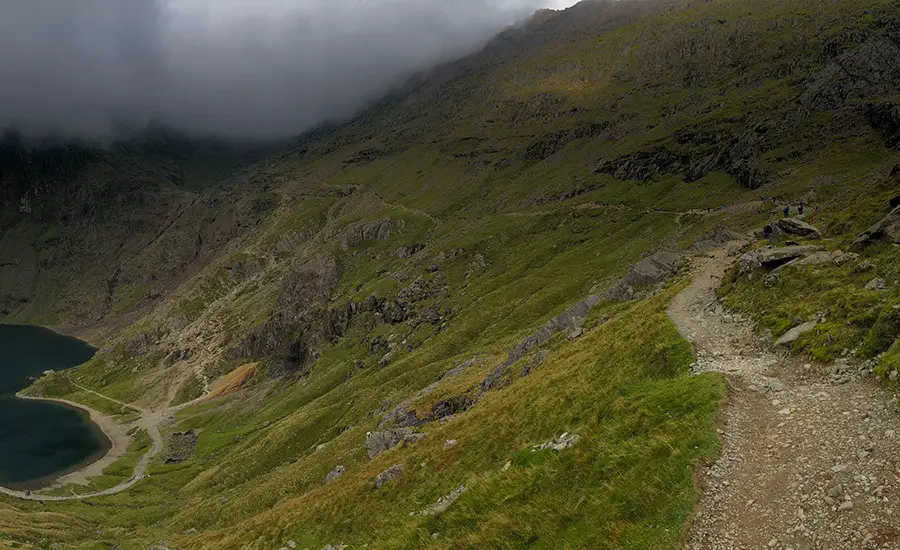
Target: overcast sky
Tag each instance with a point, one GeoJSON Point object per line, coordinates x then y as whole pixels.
{"type": "Point", "coordinates": [239, 68]}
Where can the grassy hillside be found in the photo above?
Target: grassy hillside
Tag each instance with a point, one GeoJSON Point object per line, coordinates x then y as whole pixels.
{"type": "Point", "coordinates": [377, 274]}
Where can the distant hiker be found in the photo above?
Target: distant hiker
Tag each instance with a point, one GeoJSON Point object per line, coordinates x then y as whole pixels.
{"type": "Point", "coordinates": [816, 210]}
{"type": "Point", "coordinates": [787, 211]}
{"type": "Point", "coordinates": [800, 209]}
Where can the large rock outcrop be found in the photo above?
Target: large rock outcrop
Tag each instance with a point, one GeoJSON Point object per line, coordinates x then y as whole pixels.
{"type": "Point", "coordinates": [885, 231]}
{"type": "Point", "coordinates": [800, 228]}
{"type": "Point", "coordinates": [379, 442]}
{"type": "Point", "coordinates": [772, 257]}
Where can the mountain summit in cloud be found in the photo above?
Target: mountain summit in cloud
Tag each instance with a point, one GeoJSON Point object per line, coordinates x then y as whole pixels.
{"type": "Point", "coordinates": [236, 68]}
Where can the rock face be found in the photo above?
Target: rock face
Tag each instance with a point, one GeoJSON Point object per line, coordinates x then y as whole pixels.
{"type": "Point", "coordinates": [793, 226]}
{"type": "Point", "coordinates": [379, 442]}
{"type": "Point", "coordinates": [885, 231]}
{"type": "Point", "coordinates": [696, 154]}
{"type": "Point", "coordinates": [772, 257]}
{"type": "Point", "coordinates": [391, 473]}
{"type": "Point", "coordinates": [796, 332]}
{"type": "Point", "coordinates": [870, 70]}
{"type": "Point", "coordinates": [550, 144]}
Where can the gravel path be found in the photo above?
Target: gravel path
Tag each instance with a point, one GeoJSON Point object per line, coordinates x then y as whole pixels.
{"type": "Point", "coordinates": [811, 456]}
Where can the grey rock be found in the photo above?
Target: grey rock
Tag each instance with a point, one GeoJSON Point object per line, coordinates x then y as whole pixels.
{"type": "Point", "coordinates": [793, 226]}
{"type": "Point", "coordinates": [818, 258]}
{"type": "Point", "coordinates": [885, 231]}
{"type": "Point", "coordinates": [181, 446]}
{"type": "Point", "coordinates": [561, 443]}
{"type": "Point", "coordinates": [772, 257]}
{"type": "Point", "coordinates": [653, 270]}
{"type": "Point", "coordinates": [379, 442]}
{"type": "Point", "coordinates": [876, 284]}
{"type": "Point", "coordinates": [796, 332]}
{"type": "Point", "coordinates": [569, 320]}
{"type": "Point", "coordinates": [391, 473]}
{"type": "Point", "coordinates": [845, 258]}
{"type": "Point", "coordinates": [443, 504]}
{"type": "Point", "coordinates": [715, 239]}
{"type": "Point", "coordinates": [337, 472]}
{"type": "Point", "coordinates": [869, 70]}
{"type": "Point", "coordinates": [495, 379]}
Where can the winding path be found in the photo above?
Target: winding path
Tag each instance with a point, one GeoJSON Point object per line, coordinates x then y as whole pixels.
{"type": "Point", "coordinates": [811, 459]}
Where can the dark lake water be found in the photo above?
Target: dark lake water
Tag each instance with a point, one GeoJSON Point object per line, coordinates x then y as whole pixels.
{"type": "Point", "coordinates": [39, 439]}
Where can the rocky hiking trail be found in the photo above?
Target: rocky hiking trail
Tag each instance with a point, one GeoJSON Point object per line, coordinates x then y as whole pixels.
{"type": "Point", "coordinates": [808, 461]}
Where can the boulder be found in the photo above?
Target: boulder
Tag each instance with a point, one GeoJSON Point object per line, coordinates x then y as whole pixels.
{"type": "Point", "coordinates": [793, 226]}
{"type": "Point", "coordinates": [845, 258]}
{"type": "Point", "coordinates": [715, 239]}
{"type": "Point", "coordinates": [379, 442]}
{"type": "Point", "coordinates": [772, 257]}
{"type": "Point", "coordinates": [885, 231]}
{"type": "Point", "coordinates": [181, 446]}
{"type": "Point", "coordinates": [337, 472]}
{"type": "Point", "coordinates": [796, 332]}
{"type": "Point", "coordinates": [876, 284]}
{"type": "Point", "coordinates": [393, 472]}
{"type": "Point", "coordinates": [653, 270]}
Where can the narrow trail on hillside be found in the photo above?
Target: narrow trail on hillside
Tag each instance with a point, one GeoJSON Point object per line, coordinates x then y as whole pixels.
{"type": "Point", "coordinates": [148, 420]}
{"type": "Point", "coordinates": [808, 461]}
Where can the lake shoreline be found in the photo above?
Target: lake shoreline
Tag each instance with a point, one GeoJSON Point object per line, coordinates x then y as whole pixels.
{"type": "Point", "coordinates": [115, 443]}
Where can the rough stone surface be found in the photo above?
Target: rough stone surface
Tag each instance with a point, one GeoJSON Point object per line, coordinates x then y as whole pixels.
{"type": "Point", "coordinates": [391, 473]}
{"type": "Point", "coordinates": [653, 270]}
{"type": "Point", "coordinates": [885, 231]}
{"type": "Point", "coordinates": [772, 257]}
{"type": "Point", "coordinates": [181, 446]}
{"type": "Point", "coordinates": [876, 284]}
{"type": "Point", "coordinates": [794, 226]}
{"type": "Point", "coordinates": [379, 442]}
{"type": "Point", "coordinates": [561, 443]}
{"type": "Point", "coordinates": [796, 332]}
{"type": "Point", "coordinates": [337, 472]}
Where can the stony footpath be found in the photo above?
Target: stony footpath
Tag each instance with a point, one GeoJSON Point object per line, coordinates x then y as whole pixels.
{"type": "Point", "coordinates": [811, 456]}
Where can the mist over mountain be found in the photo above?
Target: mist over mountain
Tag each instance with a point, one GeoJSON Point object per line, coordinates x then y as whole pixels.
{"type": "Point", "coordinates": [234, 68]}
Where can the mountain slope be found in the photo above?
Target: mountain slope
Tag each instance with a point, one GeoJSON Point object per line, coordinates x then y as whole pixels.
{"type": "Point", "coordinates": [425, 268]}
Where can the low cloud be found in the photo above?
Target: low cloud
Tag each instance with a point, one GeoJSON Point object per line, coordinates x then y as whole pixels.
{"type": "Point", "coordinates": [236, 68]}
